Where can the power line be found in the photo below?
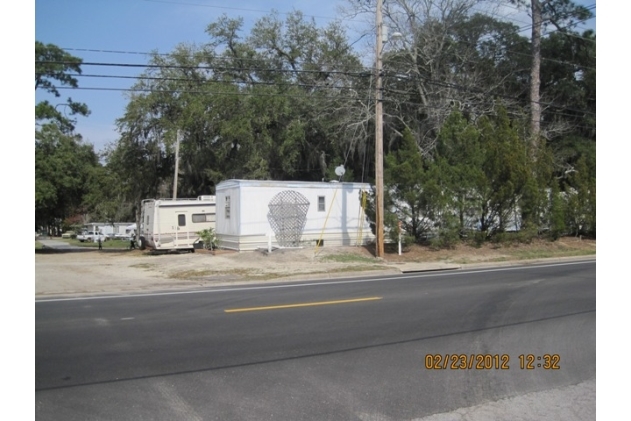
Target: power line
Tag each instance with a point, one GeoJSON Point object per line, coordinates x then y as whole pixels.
{"type": "Point", "coordinates": [254, 83]}
{"type": "Point", "coordinates": [218, 68]}
{"type": "Point", "coordinates": [93, 50]}
{"type": "Point", "coordinates": [254, 60]}
{"type": "Point", "coordinates": [191, 91]}
{"type": "Point", "coordinates": [202, 67]}
{"type": "Point", "coordinates": [301, 96]}
{"type": "Point", "coordinates": [258, 69]}
{"type": "Point", "coordinates": [226, 59]}
{"type": "Point", "coordinates": [352, 74]}
{"type": "Point", "coordinates": [295, 71]}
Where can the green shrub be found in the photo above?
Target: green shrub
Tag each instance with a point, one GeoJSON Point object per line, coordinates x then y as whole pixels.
{"type": "Point", "coordinates": [524, 236]}
{"type": "Point", "coordinates": [447, 238]}
{"type": "Point", "coordinates": [479, 238]}
{"type": "Point", "coordinates": [209, 238]}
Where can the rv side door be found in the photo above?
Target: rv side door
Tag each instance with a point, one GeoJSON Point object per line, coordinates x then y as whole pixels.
{"type": "Point", "coordinates": [181, 226]}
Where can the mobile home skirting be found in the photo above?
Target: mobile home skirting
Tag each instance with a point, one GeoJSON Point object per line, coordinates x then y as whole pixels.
{"type": "Point", "coordinates": [261, 241]}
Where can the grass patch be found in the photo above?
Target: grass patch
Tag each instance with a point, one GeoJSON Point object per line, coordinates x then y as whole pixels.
{"type": "Point", "coordinates": [360, 268]}
{"type": "Point", "coordinates": [269, 276]}
{"type": "Point", "coordinates": [542, 254]}
{"type": "Point", "coordinates": [465, 261]}
{"type": "Point", "coordinates": [109, 244]}
{"type": "Point", "coordinates": [253, 275]}
{"type": "Point", "coordinates": [38, 245]}
{"type": "Point", "coordinates": [147, 266]}
{"type": "Point", "coordinates": [188, 274]}
{"type": "Point", "coordinates": [192, 274]}
{"type": "Point", "coordinates": [532, 254]}
{"type": "Point", "coordinates": [347, 258]}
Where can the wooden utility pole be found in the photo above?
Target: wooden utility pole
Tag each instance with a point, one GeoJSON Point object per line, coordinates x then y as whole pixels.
{"type": "Point", "coordinates": [379, 208]}
{"type": "Point", "coordinates": [177, 163]}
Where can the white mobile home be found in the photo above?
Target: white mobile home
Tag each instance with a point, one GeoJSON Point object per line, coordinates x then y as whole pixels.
{"type": "Point", "coordinates": [173, 224]}
{"type": "Point", "coordinates": [293, 213]}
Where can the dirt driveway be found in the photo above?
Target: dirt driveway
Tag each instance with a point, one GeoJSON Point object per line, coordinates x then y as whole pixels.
{"type": "Point", "coordinates": [96, 272]}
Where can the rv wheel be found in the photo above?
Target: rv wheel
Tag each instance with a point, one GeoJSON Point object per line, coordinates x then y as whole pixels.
{"type": "Point", "coordinates": [141, 243]}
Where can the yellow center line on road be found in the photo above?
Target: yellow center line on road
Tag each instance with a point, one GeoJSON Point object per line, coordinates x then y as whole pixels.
{"type": "Point", "coordinates": [321, 303]}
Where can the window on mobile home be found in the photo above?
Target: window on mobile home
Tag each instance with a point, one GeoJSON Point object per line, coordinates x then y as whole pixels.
{"type": "Point", "coordinates": [181, 220]}
{"type": "Point", "coordinates": [203, 217]}
{"type": "Point", "coordinates": [227, 207]}
{"type": "Point", "coordinates": [320, 203]}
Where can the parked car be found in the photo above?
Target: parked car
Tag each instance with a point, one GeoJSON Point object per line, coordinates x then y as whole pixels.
{"type": "Point", "coordinates": [92, 236]}
{"type": "Point", "coordinates": [69, 234]}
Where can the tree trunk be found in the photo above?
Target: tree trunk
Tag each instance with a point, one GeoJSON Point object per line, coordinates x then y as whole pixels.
{"type": "Point", "coordinates": [535, 81]}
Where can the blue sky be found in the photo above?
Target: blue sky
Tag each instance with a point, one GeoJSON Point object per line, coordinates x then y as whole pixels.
{"type": "Point", "coordinates": [90, 28]}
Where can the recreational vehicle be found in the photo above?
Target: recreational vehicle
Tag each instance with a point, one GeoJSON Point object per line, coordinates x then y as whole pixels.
{"type": "Point", "coordinates": [174, 224]}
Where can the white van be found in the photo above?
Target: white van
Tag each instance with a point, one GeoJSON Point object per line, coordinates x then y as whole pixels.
{"type": "Point", "coordinates": [92, 236]}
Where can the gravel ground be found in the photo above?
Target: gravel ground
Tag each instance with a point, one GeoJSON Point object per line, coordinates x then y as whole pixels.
{"type": "Point", "coordinates": [94, 272]}
{"type": "Point", "coordinates": [116, 271]}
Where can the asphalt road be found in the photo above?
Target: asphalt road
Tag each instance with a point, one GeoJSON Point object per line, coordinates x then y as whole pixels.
{"type": "Point", "coordinates": [352, 350]}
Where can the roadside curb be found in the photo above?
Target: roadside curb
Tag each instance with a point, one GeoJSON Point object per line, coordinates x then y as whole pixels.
{"type": "Point", "coordinates": [508, 263]}
{"type": "Point", "coordinates": [441, 266]}
{"type": "Point", "coordinates": [424, 267]}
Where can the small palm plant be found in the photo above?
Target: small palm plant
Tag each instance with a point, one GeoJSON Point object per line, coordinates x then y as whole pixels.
{"type": "Point", "coordinates": [209, 237]}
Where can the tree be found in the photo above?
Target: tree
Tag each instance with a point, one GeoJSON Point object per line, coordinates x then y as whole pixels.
{"type": "Point", "coordinates": [105, 200]}
{"type": "Point", "coordinates": [460, 157]}
{"type": "Point", "coordinates": [310, 71]}
{"type": "Point", "coordinates": [556, 212]}
{"type": "Point", "coordinates": [139, 159]}
{"type": "Point", "coordinates": [562, 14]}
{"type": "Point", "coordinates": [486, 170]}
{"type": "Point", "coordinates": [568, 85]}
{"type": "Point", "coordinates": [289, 100]}
{"type": "Point", "coordinates": [63, 168]}
{"type": "Point", "coordinates": [412, 196]}
{"type": "Point", "coordinates": [52, 64]}
{"type": "Point", "coordinates": [581, 200]}
{"type": "Point", "coordinates": [66, 169]}
{"type": "Point", "coordinates": [258, 107]}
{"type": "Point", "coordinates": [506, 169]}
